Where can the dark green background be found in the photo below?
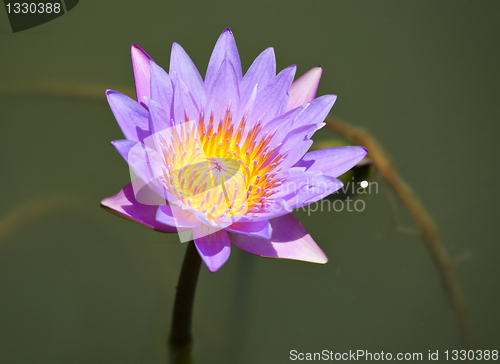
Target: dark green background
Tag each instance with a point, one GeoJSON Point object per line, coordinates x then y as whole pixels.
{"type": "Point", "coordinates": [79, 285]}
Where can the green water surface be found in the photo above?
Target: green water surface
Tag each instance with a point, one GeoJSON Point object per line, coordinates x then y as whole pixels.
{"type": "Point", "coordinates": [80, 285]}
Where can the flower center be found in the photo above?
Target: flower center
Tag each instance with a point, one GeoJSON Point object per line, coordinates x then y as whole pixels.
{"type": "Point", "coordinates": [219, 170]}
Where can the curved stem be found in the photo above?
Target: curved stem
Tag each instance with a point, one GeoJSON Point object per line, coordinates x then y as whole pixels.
{"type": "Point", "coordinates": [424, 221]}
{"type": "Point", "coordinates": [181, 325]}
{"type": "Point", "coordinates": [180, 335]}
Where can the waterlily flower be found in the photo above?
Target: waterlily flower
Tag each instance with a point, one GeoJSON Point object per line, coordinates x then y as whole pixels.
{"type": "Point", "coordinates": [225, 158]}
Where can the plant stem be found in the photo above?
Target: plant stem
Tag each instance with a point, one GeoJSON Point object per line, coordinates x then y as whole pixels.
{"type": "Point", "coordinates": [180, 335]}
{"type": "Point", "coordinates": [181, 325]}
{"type": "Point", "coordinates": [424, 221]}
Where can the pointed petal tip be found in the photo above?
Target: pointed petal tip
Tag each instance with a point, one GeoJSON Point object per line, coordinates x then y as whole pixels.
{"type": "Point", "coordinates": [110, 92]}
{"type": "Point", "coordinates": [360, 152]}
{"type": "Point", "coordinates": [224, 47]}
{"type": "Point", "coordinates": [269, 51]}
{"type": "Point", "coordinates": [320, 259]}
{"type": "Point", "coordinates": [140, 65]}
{"type": "Point", "coordinates": [213, 269]}
{"type": "Point", "coordinates": [289, 240]}
{"type": "Point", "coordinates": [311, 77]}
{"type": "Point", "coordinates": [333, 161]}
{"type": "Point", "coordinates": [136, 51]}
{"type": "Point", "coordinates": [332, 98]}
{"type": "Point", "coordinates": [332, 102]}
{"type": "Point", "coordinates": [176, 45]}
{"type": "Point", "coordinates": [303, 89]}
{"type": "Point", "coordinates": [124, 204]}
{"type": "Point", "coordinates": [212, 264]}
{"type": "Point", "coordinates": [314, 74]}
{"type": "Point", "coordinates": [213, 246]}
{"type": "Point", "coordinates": [316, 256]}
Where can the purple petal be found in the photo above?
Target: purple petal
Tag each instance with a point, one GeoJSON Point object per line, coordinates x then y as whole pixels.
{"type": "Point", "coordinates": [184, 105]}
{"type": "Point", "coordinates": [143, 161]}
{"type": "Point", "coordinates": [140, 63]}
{"type": "Point", "coordinates": [280, 127]}
{"type": "Point", "coordinates": [247, 111]}
{"type": "Point", "coordinates": [271, 101]}
{"type": "Point", "coordinates": [131, 117]}
{"type": "Point", "coordinates": [160, 120]}
{"type": "Point", "coordinates": [213, 246]}
{"type": "Point", "coordinates": [124, 204]}
{"type": "Point", "coordinates": [224, 93]}
{"type": "Point", "coordinates": [123, 147]}
{"type": "Point", "coordinates": [181, 64]}
{"type": "Point", "coordinates": [279, 207]}
{"type": "Point", "coordinates": [295, 145]}
{"type": "Point", "coordinates": [224, 48]}
{"type": "Point", "coordinates": [303, 188]}
{"type": "Point", "coordinates": [258, 229]}
{"type": "Point", "coordinates": [289, 240]}
{"type": "Point", "coordinates": [174, 216]}
{"type": "Point", "coordinates": [315, 112]}
{"type": "Point", "coordinates": [159, 117]}
{"type": "Point", "coordinates": [304, 88]}
{"type": "Point", "coordinates": [332, 161]}
{"type": "Point", "coordinates": [261, 72]}
{"type": "Point", "coordinates": [161, 88]}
